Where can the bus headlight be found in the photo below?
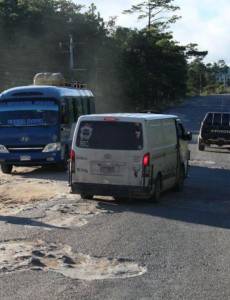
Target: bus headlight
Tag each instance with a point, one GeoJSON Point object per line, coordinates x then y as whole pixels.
{"type": "Point", "coordinates": [3, 149]}
{"type": "Point", "coordinates": [52, 147]}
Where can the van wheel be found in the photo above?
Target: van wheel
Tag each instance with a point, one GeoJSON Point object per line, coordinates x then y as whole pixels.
{"type": "Point", "coordinates": [157, 189]}
{"type": "Point", "coordinates": [180, 180]}
{"type": "Point", "coordinates": [6, 169]}
{"type": "Point", "coordinates": [86, 196]}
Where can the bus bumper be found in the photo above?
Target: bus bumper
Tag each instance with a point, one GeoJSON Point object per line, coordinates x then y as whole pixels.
{"type": "Point", "coordinates": [30, 159]}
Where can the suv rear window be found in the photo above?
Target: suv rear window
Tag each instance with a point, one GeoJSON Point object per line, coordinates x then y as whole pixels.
{"type": "Point", "coordinates": [217, 119]}
{"type": "Point", "coordinates": [226, 119]}
{"type": "Point", "coordinates": [110, 135]}
{"type": "Point", "coordinates": [208, 119]}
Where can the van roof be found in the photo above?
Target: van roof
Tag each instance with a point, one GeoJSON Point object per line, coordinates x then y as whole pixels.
{"type": "Point", "coordinates": [44, 91]}
{"type": "Point", "coordinates": [129, 116]}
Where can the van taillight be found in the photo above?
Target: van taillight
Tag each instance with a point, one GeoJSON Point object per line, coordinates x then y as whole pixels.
{"type": "Point", "coordinates": [72, 155]}
{"type": "Point", "coordinates": [146, 160]}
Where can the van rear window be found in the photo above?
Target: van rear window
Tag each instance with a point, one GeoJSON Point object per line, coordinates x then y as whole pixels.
{"type": "Point", "coordinates": [110, 135]}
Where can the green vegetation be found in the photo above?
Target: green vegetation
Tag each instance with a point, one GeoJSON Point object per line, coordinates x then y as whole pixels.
{"type": "Point", "coordinates": [206, 79]}
{"type": "Point", "coordinates": [128, 69]}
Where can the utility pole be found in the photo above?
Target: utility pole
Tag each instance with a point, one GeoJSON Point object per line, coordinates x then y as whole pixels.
{"type": "Point", "coordinates": [71, 58]}
{"type": "Point", "coordinates": [70, 50]}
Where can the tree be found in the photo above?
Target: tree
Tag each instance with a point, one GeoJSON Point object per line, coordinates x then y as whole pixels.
{"type": "Point", "coordinates": [196, 77]}
{"type": "Point", "coordinates": [192, 52]}
{"type": "Point", "coordinates": [155, 11]}
{"type": "Point", "coordinates": [154, 69]}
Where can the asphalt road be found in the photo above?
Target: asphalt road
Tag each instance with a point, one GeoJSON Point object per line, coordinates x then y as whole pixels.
{"type": "Point", "coordinates": [183, 242]}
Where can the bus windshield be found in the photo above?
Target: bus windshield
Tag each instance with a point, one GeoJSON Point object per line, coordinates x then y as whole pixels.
{"type": "Point", "coordinates": [28, 115]}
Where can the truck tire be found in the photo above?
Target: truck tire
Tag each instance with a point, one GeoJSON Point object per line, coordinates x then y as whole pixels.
{"type": "Point", "coordinates": [6, 169]}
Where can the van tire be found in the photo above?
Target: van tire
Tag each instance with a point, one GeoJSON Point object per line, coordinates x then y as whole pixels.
{"type": "Point", "coordinates": [180, 179]}
{"type": "Point", "coordinates": [86, 196]}
{"type": "Point", "coordinates": [6, 169]}
{"type": "Point", "coordinates": [157, 189]}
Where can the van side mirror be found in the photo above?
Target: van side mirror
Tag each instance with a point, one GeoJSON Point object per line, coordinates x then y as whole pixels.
{"type": "Point", "coordinates": [187, 136]}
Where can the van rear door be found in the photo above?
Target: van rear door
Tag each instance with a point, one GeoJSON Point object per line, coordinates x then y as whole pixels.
{"type": "Point", "coordinates": [109, 152]}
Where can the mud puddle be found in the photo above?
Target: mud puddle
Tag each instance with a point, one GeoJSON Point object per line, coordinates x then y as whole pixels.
{"type": "Point", "coordinates": [29, 255]}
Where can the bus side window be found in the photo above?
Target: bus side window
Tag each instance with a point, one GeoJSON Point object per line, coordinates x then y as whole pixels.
{"type": "Point", "coordinates": [70, 103]}
{"type": "Point", "coordinates": [85, 105]}
{"type": "Point", "coordinates": [88, 106]}
{"type": "Point", "coordinates": [91, 105]}
{"type": "Point", "coordinates": [77, 108]}
{"type": "Point", "coordinates": [64, 114]}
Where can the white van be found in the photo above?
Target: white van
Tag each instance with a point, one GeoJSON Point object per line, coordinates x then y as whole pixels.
{"type": "Point", "coordinates": [128, 155]}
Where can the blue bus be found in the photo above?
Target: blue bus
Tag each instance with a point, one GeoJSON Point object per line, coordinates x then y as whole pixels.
{"type": "Point", "coordinates": [37, 122]}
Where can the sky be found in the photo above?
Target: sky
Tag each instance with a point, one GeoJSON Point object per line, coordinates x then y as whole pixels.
{"type": "Point", "coordinates": [205, 22]}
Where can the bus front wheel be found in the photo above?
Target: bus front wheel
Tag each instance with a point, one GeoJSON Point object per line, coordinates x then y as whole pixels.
{"type": "Point", "coordinates": [6, 169]}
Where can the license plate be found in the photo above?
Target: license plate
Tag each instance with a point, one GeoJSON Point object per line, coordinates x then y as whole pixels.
{"type": "Point", "coordinates": [107, 170]}
{"type": "Point", "coordinates": [25, 157]}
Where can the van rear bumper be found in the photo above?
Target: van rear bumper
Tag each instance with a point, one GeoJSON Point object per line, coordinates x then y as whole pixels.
{"type": "Point", "coordinates": [111, 190]}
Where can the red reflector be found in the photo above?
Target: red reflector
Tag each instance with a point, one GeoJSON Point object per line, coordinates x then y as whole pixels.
{"type": "Point", "coordinates": [72, 155]}
{"type": "Point", "coordinates": [146, 160]}
{"type": "Point", "coordinates": [110, 119]}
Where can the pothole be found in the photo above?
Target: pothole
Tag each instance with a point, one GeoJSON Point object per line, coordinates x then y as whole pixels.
{"type": "Point", "coordinates": [13, 209]}
{"type": "Point", "coordinates": [27, 255]}
{"type": "Point", "coordinates": [71, 214]}
{"type": "Point", "coordinates": [17, 194]}
{"type": "Point", "coordinates": [55, 214]}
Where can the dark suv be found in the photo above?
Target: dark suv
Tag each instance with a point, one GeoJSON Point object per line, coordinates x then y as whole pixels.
{"type": "Point", "coordinates": [215, 130]}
